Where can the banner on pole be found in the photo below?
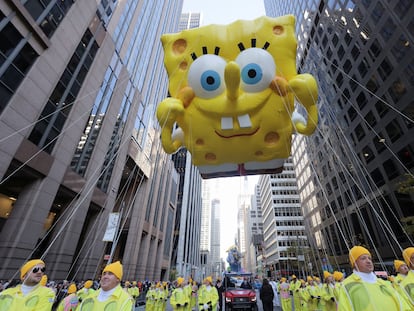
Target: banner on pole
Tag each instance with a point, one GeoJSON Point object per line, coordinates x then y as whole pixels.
{"type": "Point", "coordinates": [111, 228]}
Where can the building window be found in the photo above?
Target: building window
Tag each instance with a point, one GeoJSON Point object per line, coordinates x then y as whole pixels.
{"type": "Point", "coordinates": [401, 48]}
{"type": "Point", "coordinates": [390, 169]}
{"type": "Point", "coordinates": [409, 73]}
{"type": "Point", "coordinates": [377, 12]}
{"type": "Point", "coordinates": [361, 100]}
{"type": "Point", "coordinates": [397, 90]}
{"type": "Point", "coordinates": [379, 143]}
{"type": "Point", "coordinates": [372, 84]}
{"type": "Point", "coordinates": [46, 14]}
{"type": "Point", "coordinates": [62, 99]}
{"type": "Point", "coordinates": [363, 67]}
{"type": "Point", "coordinates": [370, 118]}
{"type": "Point", "coordinates": [385, 69]}
{"type": "Point", "coordinates": [393, 130]}
{"type": "Point", "coordinates": [374, 50]}
{"type": "Point", "coordinates": [406, 156]}
{"type": "Point", "coordinates": [382, 108]}
{"type": "Point", "coordinates": [368, 154]}
{"type": "Point", "coordinates": [341, 52]}
{"type": "Point", "coordinates": [359, 132]}
{"type": "Point", "coordinates": [402, 7]}
{"type": "Point", "coordinates": [347, 66]}
{"type": "Point", "coordinates": [355, 52]}
{"type": "Point", "coordinates": [377, 177]}
{"type": "Point", "coordinates": [16, 58]}
{"type": "Point", "coordinates": [388, 29]}
{"type": "Point", "coordinates": [352, 113]}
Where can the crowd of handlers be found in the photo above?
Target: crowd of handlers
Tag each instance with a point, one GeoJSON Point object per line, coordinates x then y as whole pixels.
{"type": "Point", "coordinates": [360, 291]}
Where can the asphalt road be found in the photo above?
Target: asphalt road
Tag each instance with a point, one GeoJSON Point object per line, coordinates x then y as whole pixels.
{"type": "Point", "coordinates": [169, 308]}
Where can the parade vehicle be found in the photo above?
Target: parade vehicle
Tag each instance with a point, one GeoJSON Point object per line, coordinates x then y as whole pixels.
{"type": "Point", "coordinates": [236, 296]}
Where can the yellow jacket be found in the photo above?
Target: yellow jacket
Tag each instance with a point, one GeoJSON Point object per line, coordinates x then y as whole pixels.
{"type": "Point", "coordinates": [407, 286]}
{"type": "Point", "coordinates": [207, 296]}
{"type": "Point", "coordinates": [84, 292]}
{"type": "Point", "coordinates": [41, 298]}
{"type": "Point", "coordinates": [120, 300]}
{"type": "Point", "coordinates": [357, 295]}
{"type": "Point", "coordinates": [179, 299]}
{"type": "Point", "coordinates": [133, 291]}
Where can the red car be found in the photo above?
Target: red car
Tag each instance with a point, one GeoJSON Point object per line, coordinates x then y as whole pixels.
{"type": "Point", "coordinates": [239, 292]}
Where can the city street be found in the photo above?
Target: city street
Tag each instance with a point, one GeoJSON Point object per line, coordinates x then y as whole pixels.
{"type": "Point", "coordinates": [259, 305]}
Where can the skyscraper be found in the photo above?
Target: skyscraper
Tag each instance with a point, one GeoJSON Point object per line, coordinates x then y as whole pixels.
{"type": "Point", "coordinates": [79, 85]}
{"type": "Point", "coordinates": [186, 254]}
{"type": "Point", "coordinates": [283, 225]}
{"type": "Point", "coordinates": [349, 171]}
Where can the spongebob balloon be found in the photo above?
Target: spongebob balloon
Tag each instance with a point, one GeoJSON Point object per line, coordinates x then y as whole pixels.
{"type": "Point", "coordinates": [233, 91]}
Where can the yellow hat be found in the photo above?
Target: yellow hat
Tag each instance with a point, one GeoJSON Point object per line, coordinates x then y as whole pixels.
{"type": "Point", "coordinates": [407, 253]}
{"type": "Point", "coordinates": [309, 278]}
{"type": "Point", "coordinates": [88, 284]}
{"type": "Point", "coordinates": [72, 288]}
{"type": "Point", "coordinates": [115, 268]}
{"type": "Point", "coordinates": [180, 281]}
{"type": "Point", "coordinates": [293, 276]}
{"type": "Point", "coordinates": [29, 265]}
{"type": "Point", "coordinates": [302, 281]}
{"type": "Point", "coordinates": [398, 264]}
{"type": "Point", "coordinates": [134, 283]}
{"type": "Point", "coordinates": [338, 275]}
{"type": "Point", "coordinates": [326, 275]}
{"type": "Point", "coordinates": [356, 252]}
{"type": "Point", "coordinates": [209, 279]}
{"type": "Point", "coordinates": [127, 283]}
{"type": "Point", "coordinates": [283, 280]}
{"type": "Point", "coordinates": [43, 281]}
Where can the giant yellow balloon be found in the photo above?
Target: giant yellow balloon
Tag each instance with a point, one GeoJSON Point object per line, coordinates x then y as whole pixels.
{"type": "Point", "coordinates": [232, 91]}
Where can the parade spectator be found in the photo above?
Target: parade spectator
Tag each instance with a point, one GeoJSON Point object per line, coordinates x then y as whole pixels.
{"type": "Point", "coordinates": [266, 295]}
{"type": "Point", "coordinates": [110, 294]}
{"type": "Point", "coordinates": [276, 301]}
{"type": "Point", "coordinates": [362, 290]}
{"type": "Point", "coordinates": [29, 295]}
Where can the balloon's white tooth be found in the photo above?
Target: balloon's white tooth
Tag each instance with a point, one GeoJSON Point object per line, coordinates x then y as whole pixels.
{"type": "Point", "coordinates": [244, 121]}
{"type": "Point", "coordinates": [226, 123]}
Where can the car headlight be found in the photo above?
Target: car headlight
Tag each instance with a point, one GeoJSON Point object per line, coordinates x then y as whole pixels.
{"type": "Point", "coordinates": [228, 299]}
{"type": "Point", "coordinates": [254, 299]}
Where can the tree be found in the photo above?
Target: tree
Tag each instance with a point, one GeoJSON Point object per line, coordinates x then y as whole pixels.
{"type": "Point", "coordinates": [406, 186]}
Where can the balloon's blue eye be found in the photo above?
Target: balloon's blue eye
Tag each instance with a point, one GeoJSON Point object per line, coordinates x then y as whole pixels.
{"type": "Point", "coordinates": [210, 80]}
{"type": "Point", "coordinates": [257, 69]}
{"type": "Point", "coordinates": [251, 73]}
{"type": "Point", "coordinates": [206, 76]}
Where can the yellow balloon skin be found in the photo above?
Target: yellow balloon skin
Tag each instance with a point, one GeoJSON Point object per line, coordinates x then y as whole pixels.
{"type": "Point", "coordinates": [268, 133]}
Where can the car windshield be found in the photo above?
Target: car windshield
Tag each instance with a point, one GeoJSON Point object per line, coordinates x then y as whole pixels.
{"type": "Point", "coordinates": [238, 280]}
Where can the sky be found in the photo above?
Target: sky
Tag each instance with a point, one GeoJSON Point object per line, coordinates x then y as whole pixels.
{"type": "Point", "coordinates": [225, 11]}
{"type": "Point", "coordinates": [227, 190]}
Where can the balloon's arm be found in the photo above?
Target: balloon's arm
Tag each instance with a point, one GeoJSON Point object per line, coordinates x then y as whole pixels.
{"type": "Point", "coordinates": [305, 89]}
{"type": "Point", "coordinates": [169, 111]}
